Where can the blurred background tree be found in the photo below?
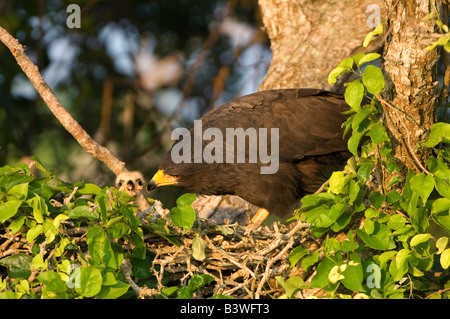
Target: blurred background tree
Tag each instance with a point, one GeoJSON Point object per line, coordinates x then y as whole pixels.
{"type": "Point", "coordinates": [130, 74]}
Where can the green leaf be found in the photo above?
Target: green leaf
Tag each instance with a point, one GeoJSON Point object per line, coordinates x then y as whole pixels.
{"type": "Point", "coordinates": [183, 217]}
{"type": "Point", "coordinates": [225, 230]}
{"type": "Point", "coordinates": [335, 274]}
{"type": "Point", "coordinates": [40, 208]}
{"type": "Point", "coordinates": [418, 239]}
{"type": "Point", "coordinates": [17, 224]}
{"type": "Point", "coordinates": [337, 182]}
{"type": "Point", "coordinates": [141, 267]}
{"type": "Point", "coordinates": [371, 213]}
{"type": "Point", "coordinates": [442, 41]}
{"type": "Point", "coordinates": [19, 265]}
{"type": "Point", "coordinates": [378, 133]}
{"type": "Point", "coordinates": [369, 226]}
{"type": "Point", "coordinates": [169, 291]}
{"type": "Point", "coordinates": [423, 185]}
{"type": "Point", "coordinates": [335, 73]}
{"type": "Point", "coordinates": [346, 63]}
{"type": "Point", "coordinates": [199, 280]}
{"type": "Point", "coordinates": [349, 244]}
{"type": "Point", "coordinates": [291, 285]}
{"type": "Point", "coordinates": [378, 30]}
{"type": "Point", "coordinates": [377, 199]}
{"type": "Point", "coordinates": [319, 216]}
{"type": "Point", "coordinates": [310, 260]}
{"type": "Point", "coordinates": [38, 262]}
{"type": "Point", "coordinates": [445, 258]}
{"type": "Point", "coordinates": [296, 254]}
{"type": "Point", "coordinates": [331, 246]}
{"type": "Point", "coordinates": [320, 280]}
{"type": "Point", "coordinates": [83, 211]}
{"type": "Point", "coordinates": [397, 272]}
{"type": "Point", "coordinates": [90, 281]}
{"type": "Point", "coordinates": [367, 39]}
{"type": "Point", "coordinates": [357, 57]}
{"type": "Point", "coordinates": [419, 218]}
{"type": "Point", "coordinates": [354, 94]}
{"type": "Point", "coordinates": [353, 273]}
{"type": "Point", "coordinates": [19, 191]}
{"type": "Point", "coordinates": [186, 199]}
{"type": "Point", "coordinates": [360, 117]}
{"type": "Point", "coordinates": [440, 132]}
{"type": "Point", "coordinates": [314, 199]}
{"type": "Point", "coordinates": [50, 231]}
{"type": "Point", "coordinates": [100, 249]}
{"type": "Point", "coordinates": [439, 205]}
{"type": "Point", "coordinates": [442, 183]}
{"type": "Point", "coordinates": [368, 58]}
{"type": "Point", "coordinates": [160, 228]}
{"type": "Point", "coordinates": [373, 79]}
{"type": "Point", "coordinates": [380, 239]}
{"type": "Point", "coordinates": [34, 232]}
{"type": "Point", "coordinates": [114, 291]}
{"type": "Point", "coordinates": [443, 219]}
{"type": "Point", "coordinates": [394, 180]}
{"type": "Point", "coordinates": [89, 188]}
{"type": "Point", "coordinates": [393, 196]}
{"type": "Point", "coordinates": [401, 256]}
{"type": "Point", "coordinates": [185, 293]}
{"type": "Point", "coordinates": [396, 221]}
{"type": "Point", "coordinates": [198, 248]}
{"type": "Point", "coordinates": [353, 191]}
{"type": "Point", "coordinates": [41, 167]}
{"type": "Point", "coordinates": [364, 171]}
{"type": "Point", "coordinates": [9, 209]}
{"type": "Point", "coordinates": [441, 244]}
{"type": "Point", "coordinates": [386, 256]}
{"type": "Point", "coordinates": [353, 141]}
{"type": "Point", "coordinates": [53, 282]}
{"type": "Point", "coordinates": [391, 167]}
{"type": "Point", "coordinates": [8, 295]}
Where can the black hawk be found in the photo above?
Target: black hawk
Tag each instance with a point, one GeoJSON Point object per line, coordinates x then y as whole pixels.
{"type": "Point", "coordinates": [310, 146]}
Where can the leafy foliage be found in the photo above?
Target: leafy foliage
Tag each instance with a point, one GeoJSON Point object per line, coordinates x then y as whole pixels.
{"type": "Point", "coordinates": [400, 246]}
{"type": "Point", "coordinates": [47, 213]}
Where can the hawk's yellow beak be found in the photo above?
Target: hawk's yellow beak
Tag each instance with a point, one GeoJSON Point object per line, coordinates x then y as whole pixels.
{"type": "Point", "coordinates": [162, 179]}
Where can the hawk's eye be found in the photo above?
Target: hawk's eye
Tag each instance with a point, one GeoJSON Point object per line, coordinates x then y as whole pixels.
{"type": "Point", "coordinates": [177, 176]}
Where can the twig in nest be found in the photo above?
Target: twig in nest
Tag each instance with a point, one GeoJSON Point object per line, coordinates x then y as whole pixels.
{"type": "Point", "coordinates": [126, 270]}
{"type": "Point", "coordinates": [281, 254]}
{"type": "Point", "coordinates": [231, 259]}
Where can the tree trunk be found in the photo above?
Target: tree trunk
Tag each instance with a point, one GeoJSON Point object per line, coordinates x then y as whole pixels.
{"type": "Point", "coordinates": [309, 38]}
{"type": "Point", "coordinates": [411, 94]}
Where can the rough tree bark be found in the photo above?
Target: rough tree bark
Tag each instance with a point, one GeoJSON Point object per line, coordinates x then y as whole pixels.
{"type": "Point", "coordinates": [411, 93]}
{"type": "Point", "coordinates": [309, 38]}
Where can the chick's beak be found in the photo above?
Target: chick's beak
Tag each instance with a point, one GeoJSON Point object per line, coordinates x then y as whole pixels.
{"type": "Point", "coordinates": [161, 179]}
